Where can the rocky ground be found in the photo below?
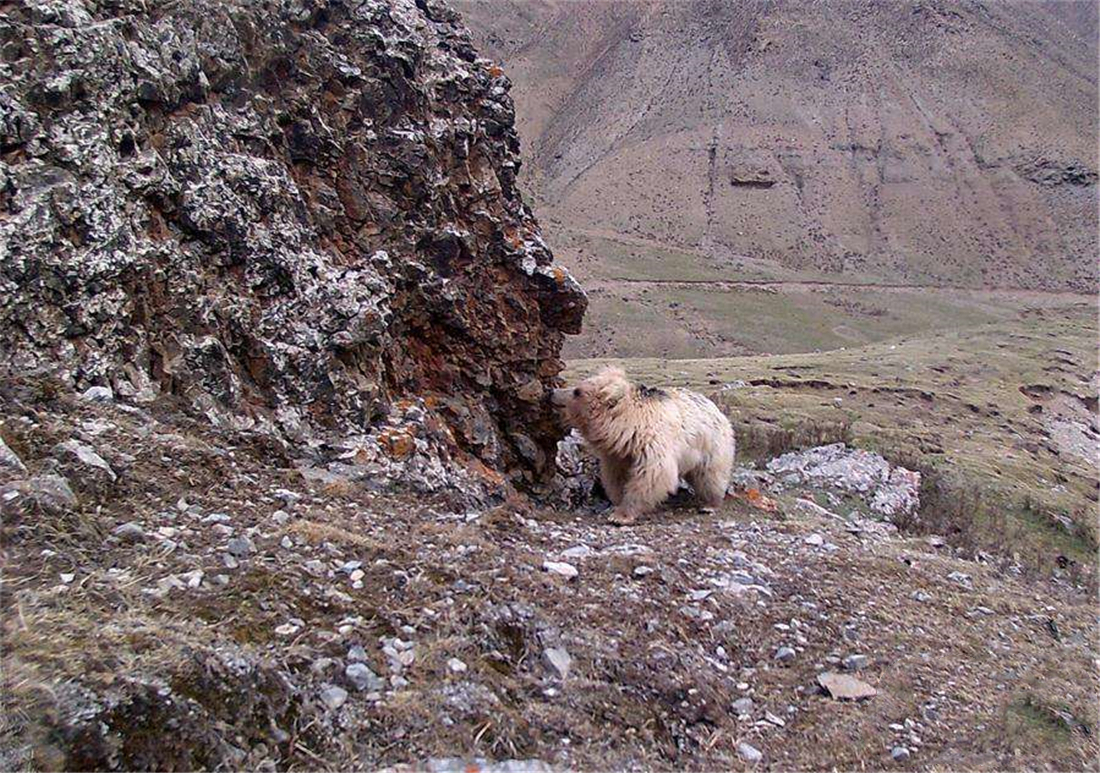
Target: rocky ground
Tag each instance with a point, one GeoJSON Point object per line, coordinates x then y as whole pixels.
{"type": "Point", "coordinates": [180, 596]}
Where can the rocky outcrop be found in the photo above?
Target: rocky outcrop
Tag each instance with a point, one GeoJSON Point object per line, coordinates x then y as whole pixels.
{"type": "Point", "coordinates": [295, 216]}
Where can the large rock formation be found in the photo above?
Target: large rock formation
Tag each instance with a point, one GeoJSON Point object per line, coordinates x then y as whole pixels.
{"type": "Point", "coordinates": [294, 215]}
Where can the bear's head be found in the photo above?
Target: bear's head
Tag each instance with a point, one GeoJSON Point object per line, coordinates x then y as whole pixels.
{"type": "Point", "coordinates": [592, 398]}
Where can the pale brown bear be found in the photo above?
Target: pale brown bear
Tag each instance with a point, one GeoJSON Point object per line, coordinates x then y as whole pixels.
{"type": "Point", "coordinates": [648, 439]}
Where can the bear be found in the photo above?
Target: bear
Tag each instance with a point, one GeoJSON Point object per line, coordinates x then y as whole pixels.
{"type": "Point", "coordinates": [648, 439]}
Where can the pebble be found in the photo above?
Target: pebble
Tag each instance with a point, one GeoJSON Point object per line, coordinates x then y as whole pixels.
{"type": "Point", "coordinates": [456, 666]}
{"type": "Point", "coordinates": [559, 659]}
{"type": "Point", "coordinates": [240, 546]}
{"type": "Point", "coordinates": [855, 662]}
{"type": "Point", "coordinates": [960, 577]}
{"type": "Point", "coordinates": [568, 571]}
{"type": "Point", "coordinates": [785, 654]}
{"type": "Point", "coordinates": [10, 459]}
{"type": "Point", "coordinates": [749, 753]}
{"type": "Point", "coordinates": [98, 394]}
{"type": "Point", "coordinates": [229, 561]}
{"type": "Point", "coordinates": [193, 579]}
{"type": "Point", "coordinates": [130, 532]}
{"type": "Point", "coordinates": [357, 654]}
{"type": "Point", "coordinates": [743, 706]}
{"type": "Point", "coordinates": [816, 540]}
{"type": "Point", "coordinates": [221, 530]}
{"type": "Point", "coordinates": [921, 596]}
{"type": "Point", "coordinates": [899, 753]}
{"type": "Point", "coordinates": [362, 678]}
{"type": "Point", "coordinates": [334, 697]}
{"type": "Point", "coordinates": [844, 687]}
{"type": "Point", "coordinates": [642, 571]}
{"type": "Point", "coordinates": [286, 542]}
{"type": "Point", "coordinates": [67, 578]}
{"type": "Point", "coordinates": [775, 720]}
{"type": "Point", "coordinates": [280, 517]}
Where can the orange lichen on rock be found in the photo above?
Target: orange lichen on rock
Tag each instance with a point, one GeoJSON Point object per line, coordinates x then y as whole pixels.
{"type": "Point", "coordinates": [398, 443]}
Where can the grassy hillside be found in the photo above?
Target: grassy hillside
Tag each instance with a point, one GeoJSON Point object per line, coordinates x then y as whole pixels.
{"type": "Point", "coordinates": [1002, 419]}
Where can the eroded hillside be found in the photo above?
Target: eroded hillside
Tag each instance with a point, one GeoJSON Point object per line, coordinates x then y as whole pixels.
{"type": "Point", "coordinates": [901, 144]}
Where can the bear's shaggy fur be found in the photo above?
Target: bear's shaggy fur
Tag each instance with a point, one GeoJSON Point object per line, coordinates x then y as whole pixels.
{"type": "Point", "coordinates": [648, 439]}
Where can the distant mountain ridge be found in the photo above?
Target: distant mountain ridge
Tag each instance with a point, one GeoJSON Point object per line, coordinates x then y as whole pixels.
{"type": "Point", "coordinates": [932, 143]}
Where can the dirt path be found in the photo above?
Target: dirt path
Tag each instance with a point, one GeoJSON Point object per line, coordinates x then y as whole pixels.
{"type": "Point", "coordinates": [1006, 293]}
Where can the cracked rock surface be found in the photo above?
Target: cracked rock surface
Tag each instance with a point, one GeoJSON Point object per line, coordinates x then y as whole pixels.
{"type": "Point", "coordinates": [292, 216]}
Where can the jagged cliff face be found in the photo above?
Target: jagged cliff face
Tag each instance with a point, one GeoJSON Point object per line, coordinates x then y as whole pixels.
{"type": "Point", "coordinates": [293, 215]}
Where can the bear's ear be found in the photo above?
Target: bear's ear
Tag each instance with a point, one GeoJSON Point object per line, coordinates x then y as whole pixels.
{"type": "Point", "coordinates": [613, 386]}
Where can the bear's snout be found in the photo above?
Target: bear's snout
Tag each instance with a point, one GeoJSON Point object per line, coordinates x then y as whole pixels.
{"type": "Point", "coordinates": [560, 397]}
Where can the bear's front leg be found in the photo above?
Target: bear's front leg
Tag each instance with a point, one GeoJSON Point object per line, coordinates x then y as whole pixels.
{"type": "Point", "coordinates": [613, 474]}
{"type": "Point", "coordinates": [651, 479]}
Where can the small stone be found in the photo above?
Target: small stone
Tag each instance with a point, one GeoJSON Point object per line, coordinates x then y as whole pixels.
{"type": "Point", "coordinates": [743, 706]}
{"type": "Point", "coordinates": [456, 666]}
{"type": "Point", "coordinates": [362, 678]}
{"type": "Point", "coordinates": [321, 665]}
{"type": "Point", "coordinates": [356, 576]}
{"type": "Point", "coordinates": [568, 571]}
{"type": "Point", "coordinates": [578, 551]}
{"type": "Point", "coordinates": [785, 654]}
{"type": "Point", "coordinates": [843, 687]}
{"type": "Point", "coordinates": [86, 456]}
{"type": "Point", "coordinates": [559, 659]}
{"type": "Point", "coordinates": [959, 577]}
{"type": "Point", "coordinates": [229, 561]}
{"type": "Point", "coordinates": [855, 662]}
{"type": "Point", "coordinates": [899, 753]}
{"type": "Point", "coordinates": [130, 532]}
{"type": "Point", "coordinates": [193, 579]}
{"type": "Point", "coordinates": [642, 571]}
{"type": "Point", "coordinates": [286, 629]}
{"type": "Point", "coordinates": [9, 460]}
{"type": "Point", "coordinates": [67, 577]}
{"type": "Point", "coordinates": [357, 654]}
{"type": "Point", "coordinates": [921, 596]}
{"type": "Point", "coordinates": [221, 530]}
{"type": "Point", "coordinates": [286, 542]}
{"type": "Point", "coordinates": [773, 719]}
{"type": "Point", "coordinates": [280, 517]}
{"type": "Point", "coordinates": [98, 394]}
{"type": "Point", "coordinates": [749, 753]}
{"type": "Point", "coordinates": [51, 493]}
{"type": "Point", "coordinates": [815, 540]}
{"type": "Point", "coordinates": [240, 546]}
{"type": "Point", "coordinates": [333, 697]}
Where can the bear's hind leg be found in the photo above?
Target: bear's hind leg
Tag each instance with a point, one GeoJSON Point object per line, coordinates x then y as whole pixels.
{"type": "Point", "coordinates": [711, 480]}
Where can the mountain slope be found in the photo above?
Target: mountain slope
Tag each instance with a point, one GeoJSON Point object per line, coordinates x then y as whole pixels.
{"type": "Point", "coordinates": [925, 143]}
